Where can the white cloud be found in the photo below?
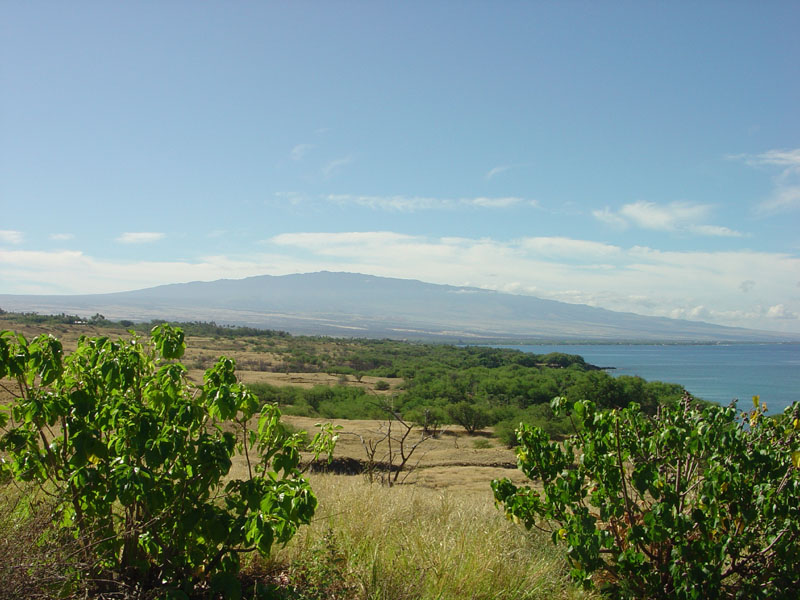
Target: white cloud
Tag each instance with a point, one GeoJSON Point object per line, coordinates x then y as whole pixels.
{"type": "Point", "coordinates": [323, 241]}
{"type": "Point", "coordinates": [569, 248]}
{"type": "Point", "coordinates": [650, 215]}
{"type": "Point", "coordinates": [62, 237]}
{"type": "Point", "coordinates": [610, 218]}
{"type": "Point", "coordinates": [779, 311]}
{"type": "Point", "coordinates": [497, 170]}
{"type": "Point", "coordinates": [692, 285]}
{"type": "Point", "coordinates": [675, 216]}
{"type": "Point", "coordinates": [140, 237]}
{"type": "Point", "coordinates": [704, 285]}
{"type": "Point", "coordinates": [300, 151]}
{"type": "Point", "coordinates": [9, 236]}
{"type": "Point", "coordinates": [715, 230]}
{"type": "Point", "coordinates": [785, 195]}
{"type": "Point", "coordinates": [784, 198]}
{"type": "Point", "coordinates": [417, 203]}
{"type": "Point", "coordinates": [491, 202]}
{"type": "Point", "coordinates": [780, 158]}
{"type": "Point", "coordinates": [396, 203]}
{"type": "Point", "coordinates": [73, 272]}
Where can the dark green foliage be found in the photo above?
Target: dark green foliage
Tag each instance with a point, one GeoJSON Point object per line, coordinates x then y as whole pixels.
{"type": "Point", "coordinates": [33, 318]}
{"type": "Point", "coordinates": [137, 459]}
{"type": "Point", "coordinates": [538, 415]}
{"type": "Point", "coordinates": [471, 417]}
{"type": "Point", "coordinates": [200, 328]}
{"type": "Point", "coordinates": [331, 402]}
{"type": "Point", "coordinates": [694, 502]}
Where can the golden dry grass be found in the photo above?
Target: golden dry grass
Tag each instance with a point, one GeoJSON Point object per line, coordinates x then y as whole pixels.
{"type": "Point", "coordinates": [414, 542]}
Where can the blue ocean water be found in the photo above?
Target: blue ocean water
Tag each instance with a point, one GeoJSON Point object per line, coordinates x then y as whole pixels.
{"type": "Point", "coordinates": [717, 373]}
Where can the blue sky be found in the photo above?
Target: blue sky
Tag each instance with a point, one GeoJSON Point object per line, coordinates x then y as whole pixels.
{"type": "Point", "coordinates": [639, 156]}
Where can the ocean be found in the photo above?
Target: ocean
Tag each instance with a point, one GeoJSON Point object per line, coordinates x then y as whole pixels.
{"type": "Point", "coordinates": [717, 373]}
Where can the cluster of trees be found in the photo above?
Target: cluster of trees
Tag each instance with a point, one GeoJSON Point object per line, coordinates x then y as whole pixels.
{"type": "Point", "coordinates": [191, 328]}
{"type": "Point", "coordinates": [34, 318]}
{"type": "Point", "coordinates": [478, 396]}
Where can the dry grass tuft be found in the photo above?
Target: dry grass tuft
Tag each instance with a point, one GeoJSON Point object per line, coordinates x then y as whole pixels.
{"type": "Point", "coordinates": [34, 562]}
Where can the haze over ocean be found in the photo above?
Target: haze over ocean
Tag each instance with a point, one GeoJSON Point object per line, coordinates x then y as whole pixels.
{"type": "Point", "coordinates": [718, 373]}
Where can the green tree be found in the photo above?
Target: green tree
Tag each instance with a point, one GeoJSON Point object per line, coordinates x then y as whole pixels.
{"type": "Point", "coordinates": [695, 502]}
{"type": "Point", "coordinates": [471, 417]}
{"type": "Point", "coordinates": [138, 459]}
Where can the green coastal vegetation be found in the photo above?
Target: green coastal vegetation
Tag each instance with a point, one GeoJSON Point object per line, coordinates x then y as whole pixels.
{"type": "Point", "coordinates": [136, 467]}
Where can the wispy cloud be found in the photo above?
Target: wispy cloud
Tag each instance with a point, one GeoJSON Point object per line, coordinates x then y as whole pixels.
{"type": "Point", "coordinates": [496, 171]}
{"type": "Point", "coordinates": [140, 237]}
{"type": "Point", "coordinates": [568, 247]}
{"type": "Point", "coordinates": [786, 191]}
{"type": "Point", "coordinates": [779, 311]}
{"type": "Point", "coordinates": [292, 198]}
{"type": "Point", "coordinates": [62, 237]}
{"type": "Point", "coordinates": [9, 236]}
{"type": "Point", "coordinates": [300, 151]}
{"type": "Point", "coordinates": [675, 216]}
{"type": "Point", "coordinates": [417, 203]}
{"type": "Point", "coordinates": [780, 158]}
{"type": "Point", "coordinates": [332, 243]}
{"type": "Point", "coordinates": [334, 166]}
{"type": "Point", "coordinates": [715, 230]}
{"type": "Point", "coordinates": [71, 272]}
{"type": "Point", "coordinates": [503, 202]}
{"type": "Point", "coordinates": [606, 215]}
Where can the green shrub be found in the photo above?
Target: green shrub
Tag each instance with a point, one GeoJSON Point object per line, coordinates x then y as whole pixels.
{"type": "Point", "coordinates": [691, 503]}
{"type": "Point", "coordinates": [381, 385]}
{"type": "Point", "coordinates": [506, 431]}
{"type": "Point", "coordinates": [137, 459]}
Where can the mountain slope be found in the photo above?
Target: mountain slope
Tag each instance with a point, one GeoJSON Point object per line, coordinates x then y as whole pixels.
{"type": "Point", "coordinates": [364, 305]}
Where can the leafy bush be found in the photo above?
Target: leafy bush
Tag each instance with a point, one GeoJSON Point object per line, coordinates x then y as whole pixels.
{"type": "Point", "coordinates": [138, 460]}
{"type": "Point", "coordinates": [695, 502]}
